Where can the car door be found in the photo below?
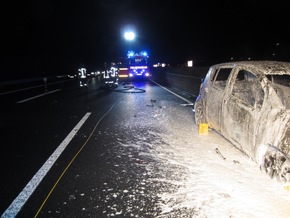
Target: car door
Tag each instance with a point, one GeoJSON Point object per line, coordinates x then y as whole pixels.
{"type": "Point", "coordinates": [216, 90]}
{"type": "Point", "coordinates": [241, 110]}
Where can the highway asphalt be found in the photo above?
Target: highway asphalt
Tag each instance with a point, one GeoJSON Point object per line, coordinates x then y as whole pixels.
{"type": "Point", "coordinates": [71, 151]}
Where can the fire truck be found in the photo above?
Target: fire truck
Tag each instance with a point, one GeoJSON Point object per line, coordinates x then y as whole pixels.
{"type": "Point", "coordinates": [135, 65]}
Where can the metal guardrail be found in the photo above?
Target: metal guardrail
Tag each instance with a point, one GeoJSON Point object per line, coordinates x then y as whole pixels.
{"type": "Point", "coordinates": [30, 80]}
{"type": "Point", "coordinates": [11, 86]}
{"type": "Point", "coordinates": [184, 79]}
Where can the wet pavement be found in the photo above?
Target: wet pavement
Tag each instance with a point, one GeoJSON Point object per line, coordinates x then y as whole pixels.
{"type": "Point", "coordinates": [139, 154]}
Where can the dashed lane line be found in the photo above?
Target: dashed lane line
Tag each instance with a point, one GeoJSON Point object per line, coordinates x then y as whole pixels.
{"type": "Point", "coordinates": [37, 96]}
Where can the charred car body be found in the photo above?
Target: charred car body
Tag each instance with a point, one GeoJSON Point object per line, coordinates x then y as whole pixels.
{"type": "Point", "coordinates": [248, 102]}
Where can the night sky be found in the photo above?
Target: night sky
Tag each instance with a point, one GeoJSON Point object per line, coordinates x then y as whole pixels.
{"type": "Point", "coordinates": [56, 36]}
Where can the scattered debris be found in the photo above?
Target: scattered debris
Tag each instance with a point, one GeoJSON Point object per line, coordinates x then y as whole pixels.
{"type": "Point", "coordinates": [236, 162]}
{"type": "Point", "coordinates": [219, 153]}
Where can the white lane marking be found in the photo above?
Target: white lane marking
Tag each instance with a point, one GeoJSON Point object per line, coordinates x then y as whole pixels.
{"type": "Point", "coordinates": [32, 87]}
{"type": "Point", "coordinates": [21, 199]}
{"type": "Point", "coordinates": [37, 96]}
{"type": "Point", "coordinates": [184, 99]}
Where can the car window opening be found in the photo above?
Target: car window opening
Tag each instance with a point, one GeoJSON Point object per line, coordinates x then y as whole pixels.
{"type": "Point", "coordinates": [220, 77]}
{"type": "Point", "coordinates": [281, 85]}
{"type": "Point", "coordinates": [248, 89]}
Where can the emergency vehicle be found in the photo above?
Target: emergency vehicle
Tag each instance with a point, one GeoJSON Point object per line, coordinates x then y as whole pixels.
{"type": "Point", "coordinates": [135, 65]}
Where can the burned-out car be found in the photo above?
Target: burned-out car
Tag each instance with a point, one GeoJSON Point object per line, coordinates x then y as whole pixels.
{"type": "Point", "coordinates": [248, 102]}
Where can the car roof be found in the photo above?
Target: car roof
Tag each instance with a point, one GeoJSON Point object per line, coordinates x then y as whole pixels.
{"type": "Point", "coordinates": [267, 67]}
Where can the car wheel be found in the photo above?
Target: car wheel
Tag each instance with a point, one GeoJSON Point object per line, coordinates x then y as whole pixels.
{"type": "Point", "coordinates": [199, 113]}
{"type": "Point", "coordinates": [274, 163]}
{"type": "Point", "coordinates": [285, 172]}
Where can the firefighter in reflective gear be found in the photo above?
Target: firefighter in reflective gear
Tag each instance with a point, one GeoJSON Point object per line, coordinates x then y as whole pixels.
{"type": "Point", "coordinates": [82, 75]}
{"type": "Point", "coordinates": [114, 70]}
{"type": "Point", "coordinates": [111, 75]}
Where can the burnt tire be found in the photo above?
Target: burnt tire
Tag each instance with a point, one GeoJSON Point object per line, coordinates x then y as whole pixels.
{"type": "Point", "coordinates": [274, 163]}
{"type": "Point", "coordinates": [199, 113]}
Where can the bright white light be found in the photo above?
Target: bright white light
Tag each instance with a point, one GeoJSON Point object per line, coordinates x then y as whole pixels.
{"type": "Point", "coordinates": [129, 35]}
{"type": "Point", "coordinates": [190, 63]}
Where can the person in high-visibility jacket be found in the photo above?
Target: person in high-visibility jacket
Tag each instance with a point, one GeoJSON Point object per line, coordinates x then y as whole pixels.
{"type": "Point", "coordinates": [110, 75]}
{"type": "Point", "coordinates": [82, 75]}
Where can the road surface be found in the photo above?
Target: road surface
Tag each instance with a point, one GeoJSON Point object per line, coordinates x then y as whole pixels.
{"type": "Point", "coordinates": [129, 152]}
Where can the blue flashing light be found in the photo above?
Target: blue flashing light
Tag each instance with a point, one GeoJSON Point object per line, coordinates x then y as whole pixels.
{"type": "Point", "coordinates": [130, 54]}
{"type": "Point", "coordinates": [144, 53]}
